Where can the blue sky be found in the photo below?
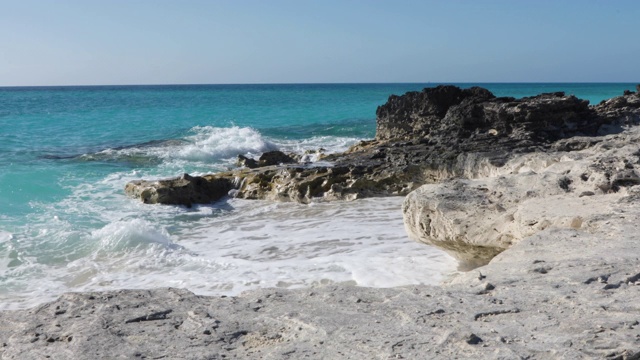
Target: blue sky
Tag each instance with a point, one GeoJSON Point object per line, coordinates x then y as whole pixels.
{"type": "Point", "coordinates": [74, 42]}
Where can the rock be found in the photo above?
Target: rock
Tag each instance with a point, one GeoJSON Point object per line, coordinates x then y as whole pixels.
{"type": "Point", "coordinates": [185, 190]}
{"type": "Point", "coordinates": [275, 158]}
{"type": "Point", "coordinates": [416, 114]}
{"type": "Point", "coordinates": [247, 162]}
{"type": "Point", "coordinates": [447, 111]}
{"type": "Point", "coordinates": [474, 220]}
{"type": "Point", "coordinates": [436, 134]}
{"type": "Point", "coordinates": [473, 339]}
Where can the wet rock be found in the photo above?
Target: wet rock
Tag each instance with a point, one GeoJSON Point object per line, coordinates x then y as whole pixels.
{"type": "Point", "coordinates": [185, 190]}
{"type": "Point", "coordinates": [247, 162]}
{"type": "Point", "coordinates": [426, 137]}
{"type": "Point", "coordinates": [275, 158]}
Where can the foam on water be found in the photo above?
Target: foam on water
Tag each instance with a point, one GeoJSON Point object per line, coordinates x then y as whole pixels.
{"type": "Point", "coordinates": [213, 143]}
{"type": "Point", "coordinates": [95, 238]}
{"type": "Point", "coordinates": [229, 247]}
{"type": "Point", "coordinates": [208, 148]}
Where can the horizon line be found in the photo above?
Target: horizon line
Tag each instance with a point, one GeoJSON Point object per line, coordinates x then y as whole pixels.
{"type": "Point", "coordinates": [321, 83]}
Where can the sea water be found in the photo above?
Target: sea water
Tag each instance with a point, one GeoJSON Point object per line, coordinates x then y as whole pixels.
{"type": "Point", "coordinates": [67, 152]}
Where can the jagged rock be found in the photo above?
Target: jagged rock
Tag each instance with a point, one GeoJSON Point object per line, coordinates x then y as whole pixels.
{"type": "Point", "coordinates": [416, 114]}
{"type": "Point", "coordinates": [275, 158]}
{"type": "Point", "coordinates": [185, 190]}
{"type": "Point", "coordinates": [447, 112]}
{"type": "Point", "coordinates": [426, 137]}
{"type": "Point", "coordinates": [476, 219]}
{"type": "Point", "coordinates": [247, 162]}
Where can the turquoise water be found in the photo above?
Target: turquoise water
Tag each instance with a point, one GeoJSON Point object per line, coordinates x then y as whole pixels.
{"type": "Point", "coordinates": [67, 152]}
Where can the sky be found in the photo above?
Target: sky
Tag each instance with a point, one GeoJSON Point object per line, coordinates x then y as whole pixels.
{"type": "Point", "coordinates": [111, 42]}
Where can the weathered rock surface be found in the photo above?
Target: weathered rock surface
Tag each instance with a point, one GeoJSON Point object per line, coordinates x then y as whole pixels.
{"type": "Point", "coordinates": [475, 219]}
{"type": "Point", "coordinates": [185, 190]}
{"type": "Point", "coordinates": [425, 137]}
{"type": "Point", "coordinates": [275, 157]}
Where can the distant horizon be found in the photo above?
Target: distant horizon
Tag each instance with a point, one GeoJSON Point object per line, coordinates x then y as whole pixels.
{"type": "Point", "coordinates": [328, 83]}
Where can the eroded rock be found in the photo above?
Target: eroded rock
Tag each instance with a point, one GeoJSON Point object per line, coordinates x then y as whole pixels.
{"type": "Point", "coordinates": [185, 190]}
{"type": "Point", "coordinates": [422, 137]}
{"type": "Point", "coordinates": [475, 219]}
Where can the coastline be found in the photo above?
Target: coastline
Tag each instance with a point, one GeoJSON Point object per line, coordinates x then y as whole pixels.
{"type": "Point", "coordinates": [561, 290]}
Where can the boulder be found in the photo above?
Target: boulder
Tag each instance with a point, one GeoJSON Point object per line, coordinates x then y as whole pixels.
{"type": "Point", "coordinates": [247, 162]}
{"type": "Point", "coordinates": [275, 157]}
{"type": "Point", "coordinates": [185, 190]}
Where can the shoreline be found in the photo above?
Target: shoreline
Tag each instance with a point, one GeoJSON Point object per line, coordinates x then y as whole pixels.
{"type": "Point", "coordinates": [562, 284]}
{"type": "Point", "coordinates": [259, 244]}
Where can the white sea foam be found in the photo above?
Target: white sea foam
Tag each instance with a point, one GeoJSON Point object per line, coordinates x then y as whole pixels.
{"type": "Point", "coordinates": [237, 245]}
{"type": "Point", "coordinates": [214, 148]}
{"type": "Point", "coordinates": [214, 143]}
{"type": "Point", "coordinates": [95, 238]}
{"type": "Point", "coordinates": [130, 235]}
{"type": "Point", "coordinates": [329, 144]}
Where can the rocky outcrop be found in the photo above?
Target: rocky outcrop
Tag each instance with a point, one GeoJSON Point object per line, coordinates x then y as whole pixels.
{"type": "Point", "coordinates": [185, 190]}
{"type": "Point", "coordinates": [475, 219]}
{"type": "Point", "coordinates": [447, 113]}
{"type": "Point", "coordinates": [275, 157]}
{"type": "Point", "coordinates": [424, 137]}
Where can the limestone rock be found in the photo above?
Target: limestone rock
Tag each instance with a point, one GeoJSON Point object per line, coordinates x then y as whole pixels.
{"type": "Point", "coordinates": [561, 293]}
{"type": "Point", "coordinates": [275, 158]}
{"type": "Point", "coordinates": [185, 190]}
{"type": "Point", "coordinates": [247, 162]}
{"type": "Point", "coordinates": [422, 138]}
{"type": "Point", "coordinates": [475, 219]}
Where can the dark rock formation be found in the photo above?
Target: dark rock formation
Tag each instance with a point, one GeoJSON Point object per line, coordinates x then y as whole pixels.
{"type": "Point", "coordinates": [422, 137]}
{"type": "Point", "coordinates": [185, 190]}
{"type": "Point", "coordinates": [247, 162]}
{"type": "Point", "coordinates": [449, 113]}
{"type": "Point", "coordinates": [275, 158]}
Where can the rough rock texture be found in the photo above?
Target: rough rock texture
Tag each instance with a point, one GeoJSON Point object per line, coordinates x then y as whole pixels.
{"type": "Point", "coordinates": [185, 190]}
{"type": "Point", "coordinates": [475, 219]}
{"type": "Point", "coordinates": [275, 158]}
{"type": "Point", "coordinates": [425, 137]}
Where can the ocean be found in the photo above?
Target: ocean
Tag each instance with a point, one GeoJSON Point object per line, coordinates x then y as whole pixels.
{"type": "Point", "coordinates": [67, 152]}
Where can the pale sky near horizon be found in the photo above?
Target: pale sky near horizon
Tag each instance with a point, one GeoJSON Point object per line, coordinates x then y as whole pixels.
{"type": "Point", "coordinates": [88, 42]}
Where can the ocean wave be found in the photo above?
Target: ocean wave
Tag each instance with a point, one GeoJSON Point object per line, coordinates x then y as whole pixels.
{"type": "Point", "coordinates": [208, 148]}
{"type": "Point", "coordinates": [209, 143]}
{"type": "Point", "coordinates": [128, 235]}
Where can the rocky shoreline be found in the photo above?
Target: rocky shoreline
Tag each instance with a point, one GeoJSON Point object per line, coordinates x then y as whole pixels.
{"type": "Point", "coordinates": [421, 137]}
{"type": "Point", "coordinates": [540, 192]}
